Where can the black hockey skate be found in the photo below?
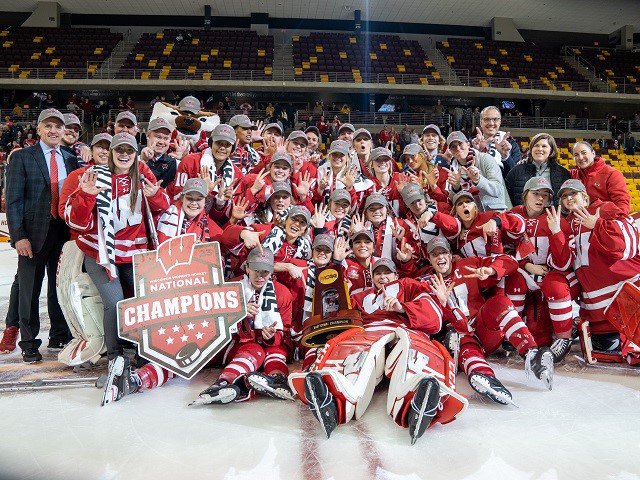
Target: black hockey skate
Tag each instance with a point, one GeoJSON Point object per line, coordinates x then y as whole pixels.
{"type": "Point", "coordinates": [560, 348]}
{"type": "Point", "coordinates": [120, 381]}
{"type": "Point", "coordinates": [220, 393]}
{"type": "Point", "coordinates": [491, 388]}
{"type": "Point", "coordinates": [539, 361]}
{"type": "Point", "coordinates": [274, 386]}
{"type": "Point", "coordinates": [321, 402]}
{"type": "Point", "coordinates": [424, 407]}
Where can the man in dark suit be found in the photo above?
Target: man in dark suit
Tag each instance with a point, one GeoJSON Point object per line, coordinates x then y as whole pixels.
{"type": "Point", "coordinates": [34, 179]}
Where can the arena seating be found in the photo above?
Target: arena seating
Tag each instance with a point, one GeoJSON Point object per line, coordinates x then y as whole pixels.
{"type": "Point", "coordinates": [201, 53]}
{"type": "Point", "coordinates": [519, 63]}
{"type": "Point", "coordinates": [388, 58]}
{"type": "Point", "coordinates": [629, 165]}
{"type": "Point", "coordinates": [614, 65]}
{"type": "Point", "coordinates": [56, 50]}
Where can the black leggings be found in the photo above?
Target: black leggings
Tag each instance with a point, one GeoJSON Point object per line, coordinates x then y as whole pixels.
{"type": "Point", "coordinates": [111, 292]}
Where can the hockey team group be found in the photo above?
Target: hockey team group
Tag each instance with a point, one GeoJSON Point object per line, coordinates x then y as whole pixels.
{"type": "Point", "coordinates": [454, 250]}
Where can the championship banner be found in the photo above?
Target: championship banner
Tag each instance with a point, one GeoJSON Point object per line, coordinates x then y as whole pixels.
{"type": "Point", "coordinates": [183, 313]}
{"type": "Point", "coordinates": [4, 228]}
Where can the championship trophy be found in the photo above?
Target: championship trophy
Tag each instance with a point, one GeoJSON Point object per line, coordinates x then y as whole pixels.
{"type": "Point", "coordinates": [331, 312]}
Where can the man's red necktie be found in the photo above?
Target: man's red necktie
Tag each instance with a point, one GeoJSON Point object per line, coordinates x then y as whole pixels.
{"type": "Point", "coordinates": [53, 167]}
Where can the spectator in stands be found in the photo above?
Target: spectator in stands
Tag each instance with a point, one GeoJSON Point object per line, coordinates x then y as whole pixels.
{"type": "Point", "coordinates": [603, 182]}
{"type": "Point", "coordinates": [458, 113]}
{"type": "Point", "coordinates": [439, 108]}
{"type": "Point", "coordinates": [87, 108]}
{"type": "Point", "coordinates": [131, 105]}
{"type": "Point", "coordinates": [323, 127]}
{"type": "Point", "coordinates": [413, 137]}
{"type": "Point", "coordinates": [317, 109]}
{"type": "Point", "coordinates": [489, 139]}
{"type": "Point", "coordinates": [49, 103]}
{"type": "Point", "coordinates": [346, 109]}
{"type": "Point", "coordinates": [541, 162]}
{"type": "Point", "coordinates": [334, 128]}
{"type": "Point", "coordinates": [383, 136]}
{"type": "Point", "coordinates": [477, 173]}
{"type": "Point", "coordinates": [29, 141]}
{"type": "Point", "coordinates": [269, 110]}
{"type": "Point", "coordinates": [405, 136]}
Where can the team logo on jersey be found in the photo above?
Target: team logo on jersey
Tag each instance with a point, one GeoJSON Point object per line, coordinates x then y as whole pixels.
{"type": "Point", "coordinates": [183, 313]}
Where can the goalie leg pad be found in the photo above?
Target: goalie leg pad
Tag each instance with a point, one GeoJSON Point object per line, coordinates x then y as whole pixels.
{"type": "Point", "coordinates": [82, 308]}
{"type": "Point", "coordinates": [414, 358]}
{"type": "Point", "coordinates": [351, 365]}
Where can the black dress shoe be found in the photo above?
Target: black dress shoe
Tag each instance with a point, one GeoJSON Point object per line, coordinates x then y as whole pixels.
{"type": "Point", "coordinates": [31, 356]}
{"type": "Point", "coordinates": [55, 344]}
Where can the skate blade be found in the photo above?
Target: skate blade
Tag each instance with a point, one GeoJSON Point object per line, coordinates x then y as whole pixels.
{"type": "Point", "coordinates": [423, 407]}
{"type": "Point", "coordinates": [313, 401]}
{"type": "Point", "coordinates": [260, 384]}
{"type": "Point", "coordinates": [110, 391]}
{"type": "Point", "coordinates": [224, 396]}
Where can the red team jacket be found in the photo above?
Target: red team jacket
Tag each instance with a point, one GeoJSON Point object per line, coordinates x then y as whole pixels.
{"type": "Point", "coordinates": [130, 226]}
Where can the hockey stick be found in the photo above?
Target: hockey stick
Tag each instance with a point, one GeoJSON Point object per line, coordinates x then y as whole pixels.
{"type": "Point", "coordinates": [48, 384]}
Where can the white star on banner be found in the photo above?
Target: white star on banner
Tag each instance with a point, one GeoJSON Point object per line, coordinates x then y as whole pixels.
{"type": "Point", "coordinates": [199, 335]}
{"type": "Point", "coordinates": [161, 331]}
{"type": "Point", "coordinates": [170, 341]}
{"type": "Point", "coordinates": [184, 338]}
{"type": "Point", "coordinates": [175, 328]}
{"type": "Point", "coordinates": [204, 324]}
{"type": "Point", "coordinates": [190, 326]}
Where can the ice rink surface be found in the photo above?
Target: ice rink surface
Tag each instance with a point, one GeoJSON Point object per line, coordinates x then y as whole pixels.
{"type": "Point", "coordinates": [587, 427]}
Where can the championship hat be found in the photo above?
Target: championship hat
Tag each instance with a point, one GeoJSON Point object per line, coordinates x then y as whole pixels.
{"type": "Point", "coordinates": [375, 199]}
{"type": "Point", "coordinates": [537, 183]}
{"type": "Point", "coordinates": [123, 138]}
{"type": "Point", "coordinates": [380, 152]}
{"type": "Point", "coordinates": [260, 260]}
{"type": "Point", "coordinates": [127, 115]}
{"type": "Point", "coordinates": [462, 194]}
{"type": "Point", "coordinates": [384, 262]}
{"type": "Point", "coordinates": [323, 240]}
{"type": "Point", "coordinates": [197, 185]}
{"type": "Point", "coordinates": [281, 187]}
{"type": "Point", "coordinates": [281, 156]}
{"type": "Point", "coordinates": [242, 121]}
{"type": "Point", "coordinates": [362, 233]}
{"type": "Point", "coordinates": [223, 132]}
{"type": "Point", "coordinates": [300, 211]}
{"type": "Point", "coordinates": [572, 184]}
{"type": "Point", "coordinates": [71, 119]}
{"type": "Point", "coordinates": [436, 242]}
{"type": "Point", "coordinates": [340, 194]}
{"type": "Point", "coordinates": [411, 150]}
{"type": "Point", "coordinates": [412, 192]}
{"type": "Point", "coordinates": [456, 137]}
{"type": "Point", "coordinates": [298, 135]}
{"type": "Point", "coordinates": [50, 113]}
{"type": "Point", "coordinates": [339, 146]}
{"type": "Point", "coordinates": [159, 123]}
{"type": "Point", "coordinates": [101, 137]}
{"type": "Point", "coordinates": [433, 127]}
{"type": "Point", "coordinates": [346, 126]}
{"type": "Point", "coordinates": [189, 104]}
{"type": "Point", "coordinates": [276, 125]}
{"type": "Point", "coordinates": [362, 131]}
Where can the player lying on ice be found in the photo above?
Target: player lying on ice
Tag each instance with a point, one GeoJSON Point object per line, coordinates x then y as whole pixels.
{"type": "Point", "coordinates": [399, 313]}
{"type": "Point", "coordinates": [484, 323]}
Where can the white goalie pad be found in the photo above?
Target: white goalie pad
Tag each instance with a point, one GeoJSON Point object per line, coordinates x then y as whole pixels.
{"type": "Point", "coordinates": [413, 358]}
{"type": "Point", "coordinates": [82, 308]}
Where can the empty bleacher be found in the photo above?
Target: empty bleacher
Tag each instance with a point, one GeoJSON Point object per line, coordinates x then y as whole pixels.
{"type": "Point", "coordinates": [515, 64]}
{"type": "Point", "coordinates": [55, 52]}
{"type": "Point", "coordinates": [620, 69]}
{"type": "Point", "coordinates": [201, 54]}
{"type": "Point", "coordinates": [356, 58]}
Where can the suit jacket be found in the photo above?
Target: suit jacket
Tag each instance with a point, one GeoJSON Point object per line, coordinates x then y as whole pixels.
{"type": "Point", "coordinates": [28, 195]}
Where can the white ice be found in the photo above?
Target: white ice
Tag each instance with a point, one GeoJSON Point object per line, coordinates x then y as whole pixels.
{"type": "Point", "coordinates": [587, 427]}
